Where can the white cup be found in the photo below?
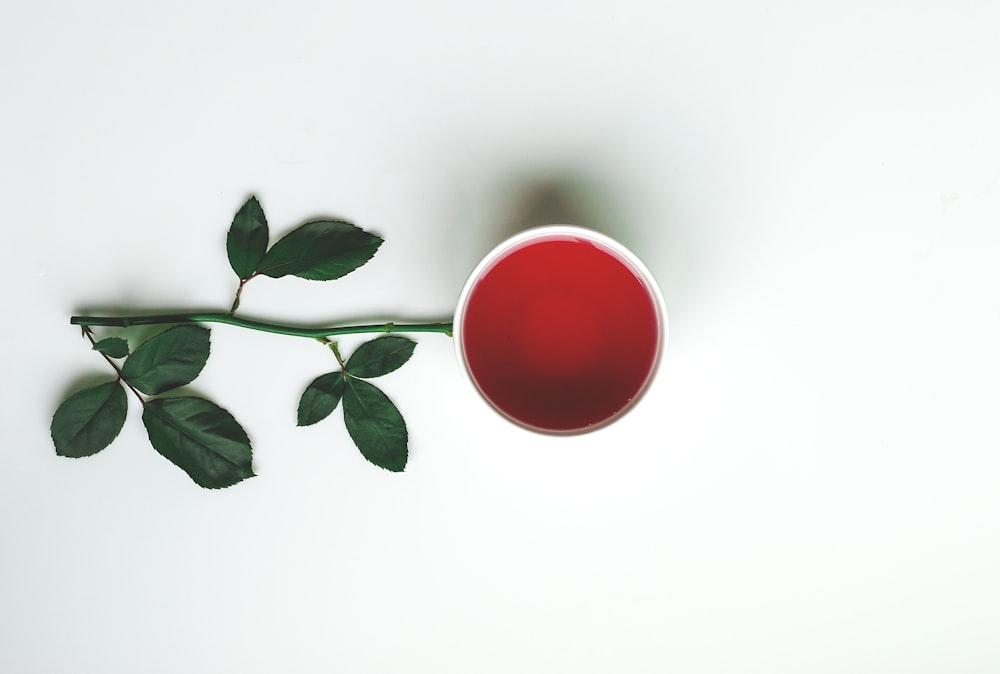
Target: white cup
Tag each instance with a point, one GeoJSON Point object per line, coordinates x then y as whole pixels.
{"type": "Point", "coordinates": [529, 412]}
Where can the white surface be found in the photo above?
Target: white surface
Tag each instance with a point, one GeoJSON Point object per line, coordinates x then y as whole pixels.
{"type": "Point", "coordinates": [810, 485]}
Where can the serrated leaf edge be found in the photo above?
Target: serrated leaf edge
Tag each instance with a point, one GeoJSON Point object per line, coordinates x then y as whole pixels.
{"type": "Point", "coordinates": [193, 439]}
{"type": "Point", "coordinates": [298, 410]}
{"type": "Point", "coordinates": [382, 374]}
{"type": "Point", "coordinates": [120, 388]}
{"type": "Point", "coordinates": [406, 449]}
{"type": "Point", "coordinates": [265, 271]}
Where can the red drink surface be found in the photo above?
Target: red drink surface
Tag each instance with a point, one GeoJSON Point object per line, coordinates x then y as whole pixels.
{"type": "Point", "coordinates": [560, 334]}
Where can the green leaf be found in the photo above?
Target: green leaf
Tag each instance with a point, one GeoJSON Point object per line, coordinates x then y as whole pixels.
{"type": "Point", "coordinates": [89, 420]}
{"type": "Point", "coordinates": [168, 360]}
{"type": "Point", "coordinates": [320, 398]}
{"type": "Point", "coordinates": [375, 425]}
{"type": "Point", "coordinates": [380, 356]}
{"type": "Point", "coordinates": [200, 438]}
{"type": "Point", "coordinates": [247, 240]}
{"type": "Point", "coordinates": [115, 347]}
{"type": "Point", "coordinates": [321, 251]}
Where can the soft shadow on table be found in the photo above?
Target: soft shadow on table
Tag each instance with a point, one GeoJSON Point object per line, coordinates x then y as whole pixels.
{"type": "Point", "coordinates": [578, 196]}
{"type": "Point", "coordinates": [556, 197]}
{"type": "Point", "coordinates": [484, 210]}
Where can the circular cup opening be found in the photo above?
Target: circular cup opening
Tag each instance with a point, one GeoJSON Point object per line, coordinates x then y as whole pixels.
{"type": "Point", "coordinates": [560, 329]}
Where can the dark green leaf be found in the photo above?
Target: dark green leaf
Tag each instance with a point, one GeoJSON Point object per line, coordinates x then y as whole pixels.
{"type": "Point", "coordinates": [115, 347]}
{"type": "Point", "coordinates": [247, 240]}
{"type": "Point", "coordinates": [89, 420]}
{"type": "Point", "coordinates": [380, 356]}
{"type": "Point", "coordinates": [168, 360]}
{"type": "Point", "coordinates": [375, 425]}
{"type": "Point", "coordinates": [201, 438]}
{"type": "Point", "coordinates": [320, 398]}
{"type": "Point", "coordinates": [321, 251]}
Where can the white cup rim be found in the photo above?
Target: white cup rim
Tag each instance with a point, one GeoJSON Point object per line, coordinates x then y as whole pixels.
{"type": "Point", "coordinates": [612, 246]}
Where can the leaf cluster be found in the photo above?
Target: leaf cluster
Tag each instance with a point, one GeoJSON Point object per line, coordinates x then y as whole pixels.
{"type": "Point", "coordinates": [194, 433]}
{"type": "Point", "coordinates": [373, 422]}
{"type": "Point", "coordinates": [319, 250]}
{"type": "Point", "coordinates": [202, 438]}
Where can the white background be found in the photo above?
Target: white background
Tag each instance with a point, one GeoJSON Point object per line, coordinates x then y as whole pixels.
{"type": "Point", "coordinates": [811, 485]}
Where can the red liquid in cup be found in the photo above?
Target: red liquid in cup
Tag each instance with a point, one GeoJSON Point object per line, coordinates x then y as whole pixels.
{"type": "Point", "coordinates": [560, 334]}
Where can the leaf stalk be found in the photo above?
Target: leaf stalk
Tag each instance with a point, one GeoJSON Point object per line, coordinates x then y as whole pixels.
{"type": "Point", "coordinates": [121, 377]}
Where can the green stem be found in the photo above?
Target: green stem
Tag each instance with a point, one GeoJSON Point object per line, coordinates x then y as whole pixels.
{"type": "Point", "coordinates": [229, 319]}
